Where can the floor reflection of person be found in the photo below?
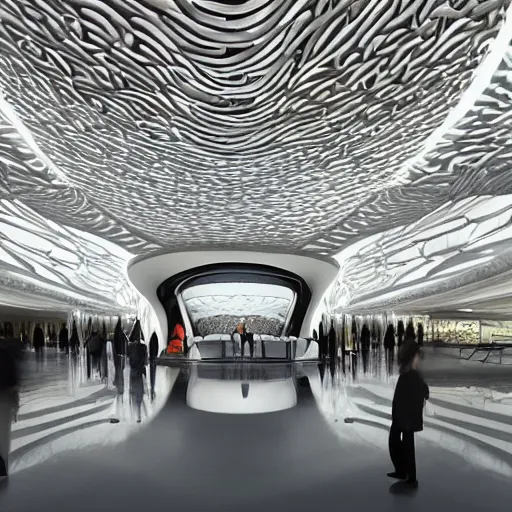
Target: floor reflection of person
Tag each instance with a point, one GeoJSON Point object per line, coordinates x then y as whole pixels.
{"type": "Point", "coordinates": [138, 359]}
{"type": "Point", "coordinates": [407, 414]}
{"type": "Point", "coordinates": [9, 401]}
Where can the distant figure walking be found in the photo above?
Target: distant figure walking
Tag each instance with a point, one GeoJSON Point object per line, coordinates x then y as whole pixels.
{"type": "Point", "coordinates": [407, 415]}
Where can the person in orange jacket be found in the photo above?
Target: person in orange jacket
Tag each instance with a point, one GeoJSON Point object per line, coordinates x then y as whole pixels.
{"type": "Point", "coordinates": [176, 342]}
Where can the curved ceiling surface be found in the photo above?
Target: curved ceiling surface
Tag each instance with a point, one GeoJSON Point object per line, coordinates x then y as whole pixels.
{"type": "Point", "coordinates": [130, 126]}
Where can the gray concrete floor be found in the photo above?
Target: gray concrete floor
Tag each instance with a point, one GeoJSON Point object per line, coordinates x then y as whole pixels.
{"type": "Point", "coordinates": [291, 460]}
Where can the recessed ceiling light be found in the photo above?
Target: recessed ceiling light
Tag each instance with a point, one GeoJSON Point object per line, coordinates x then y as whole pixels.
{"type": "Point", "coordinates": [465, 310]}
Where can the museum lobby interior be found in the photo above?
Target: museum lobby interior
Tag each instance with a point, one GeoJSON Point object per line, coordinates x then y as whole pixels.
{"type": "Point", "coordinates": [229, 231]}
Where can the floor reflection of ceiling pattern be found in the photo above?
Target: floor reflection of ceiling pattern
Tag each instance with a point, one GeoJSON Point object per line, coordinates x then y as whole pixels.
{"type": "Point", "coordinates": [466, 240]}
{"type": "Point", "coordinates": [291, 123]}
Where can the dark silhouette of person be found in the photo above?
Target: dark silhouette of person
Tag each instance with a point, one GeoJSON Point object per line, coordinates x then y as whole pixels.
{"type": "Point", "coordinates": [38, 341]}
{"type": "Point", "coordinates": [389, 346]}
{"type": "Point", "coordinates": [331, 349]}
{"type": "Point", "coordinates": [250, 340]}
{"type": "Point", "coordinates": [332, 343]}
{"type": "Point", "coordinates": [74, 341]}
{"type": "Point", "coordinates": [400, 331]}
{"type": "Point", "coordinates": [138, 358]}
{"type": "Point", "coordinates": [322, 340]}
{"type": "Point", "coordinates": [9, 403]}
{"type": "Point", "coordinates": [407, 414]}
{"type": "Point", "coordinates": [409, 335]}
{"type": "Point", "coordinates": [103, 364]}
{"type": "Point", "coordinates": [94, 348]}
{"type": "Point", "coordinates": [365, 346]}
{"type": "Point", "coordinates": [374, 335]}
{"type": "Point", "coordinates": [64, 339]}
{"type": "Point", "coordinates": [343, 347]}
{"type": "Point", "coordinates": [420, 334]}
{"type": "Point", "coordinates": [119, 349]}
{"type": "Point", "coordinates": [153, 354]}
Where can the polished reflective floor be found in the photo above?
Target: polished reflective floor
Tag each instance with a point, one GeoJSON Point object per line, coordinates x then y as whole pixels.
{"type": "Point", "coordinates": [282, 437]}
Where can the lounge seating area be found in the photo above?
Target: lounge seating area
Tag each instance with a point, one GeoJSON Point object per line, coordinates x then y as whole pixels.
{"type": "Point", "coordinates": [265, 347]}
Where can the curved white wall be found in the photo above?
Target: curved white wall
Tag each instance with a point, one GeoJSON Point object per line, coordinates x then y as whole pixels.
{"type": "Point", "coordinates": [148, 272]}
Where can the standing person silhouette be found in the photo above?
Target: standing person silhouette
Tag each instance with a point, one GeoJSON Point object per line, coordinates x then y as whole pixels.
{"type": "Point", "coordinates": [38, 342]}
{"type": "Point", "coordinates": [9, 403]}
{"type": "Point", "coordinates": [389, 346]}
{"type": "Point", "coordinates": [138, 359]}
{"type": "Point", "coordinates": [407, 415]}
{"type": "Point", "coordinates": [153, 354]}
{"type": "Point", "coordinates": [64, 339]}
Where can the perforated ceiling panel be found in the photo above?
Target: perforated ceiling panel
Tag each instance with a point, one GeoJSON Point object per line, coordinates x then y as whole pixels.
{"type": "Point", "coordinates": [286, 123]}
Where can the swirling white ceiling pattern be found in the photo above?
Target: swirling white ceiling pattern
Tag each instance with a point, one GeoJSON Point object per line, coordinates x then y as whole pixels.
{"type": "Point", "coordinates": [286, 123]}
{"type": "Point", "coordinates": [461, 254]}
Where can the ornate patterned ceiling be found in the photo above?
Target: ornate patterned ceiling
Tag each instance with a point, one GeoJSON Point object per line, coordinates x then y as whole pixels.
{"type": "Point", "coordinates": [287, 123]}
{"type": "Point", "coordinates": [467, 241]}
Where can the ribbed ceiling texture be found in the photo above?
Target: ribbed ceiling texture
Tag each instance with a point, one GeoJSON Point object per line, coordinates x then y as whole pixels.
{"type": "Point", "coordinates": [128, 126]}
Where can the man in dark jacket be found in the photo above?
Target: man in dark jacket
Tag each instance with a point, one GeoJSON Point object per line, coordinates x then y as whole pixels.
{"type": "Point", "coordinates": [407, 414]}
{"type": "Point", "coordinates": [9, 400]}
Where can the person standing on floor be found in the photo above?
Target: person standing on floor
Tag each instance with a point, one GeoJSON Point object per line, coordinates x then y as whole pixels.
{"type": "Point", "coordinates": [411, 392]}
{"type": "Point", "coordinates": [9, 403]}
